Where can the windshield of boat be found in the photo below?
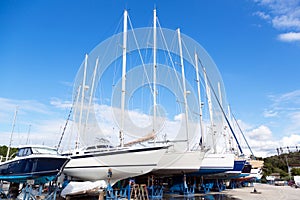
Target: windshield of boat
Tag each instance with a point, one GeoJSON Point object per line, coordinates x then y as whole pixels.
{"type": "Point", "coordinates": [24, 152]}
{"type": "Point", "coordinates": [43, 150]}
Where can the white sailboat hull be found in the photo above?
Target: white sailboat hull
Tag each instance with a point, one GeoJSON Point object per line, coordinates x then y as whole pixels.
{"type": "Point", "coordinates": [123, 163]}
{"type": "Point", "coordinates": [179, 162]}
{"type": "Point", "coordinates": [215, 164]}
{"type": "Point", "coordinates": [218, 161]}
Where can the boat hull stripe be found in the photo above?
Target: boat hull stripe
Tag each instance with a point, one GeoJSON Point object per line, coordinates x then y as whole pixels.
{"type": "Point", "coordinates": [108, 153]}
{"type": "Point", "coordinates": [111, 166]}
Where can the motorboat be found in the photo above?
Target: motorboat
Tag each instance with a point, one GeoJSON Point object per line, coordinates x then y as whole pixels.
{"type": "Point", "coordinates": [41, 164]}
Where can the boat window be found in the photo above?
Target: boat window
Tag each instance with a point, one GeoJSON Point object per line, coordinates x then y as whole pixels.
{"type": "Point", "coordinates": [42, 150]}
{"type": "Point", "coordinates": [91, 147]}
{"type": "Point", "coordinates": [101, 147]}
{"type": "Point", "coordinates": [20, 152]}
{"type": "Point", "coordinates": [24, 152]}
{"type": "Point", "coordinates": [104, 146]}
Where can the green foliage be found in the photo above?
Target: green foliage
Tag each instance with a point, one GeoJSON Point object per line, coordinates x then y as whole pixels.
{"type": "Point", "coordinates": [295, 172]}
{"type": "Point", "coordinates": [3, 152]}
{"type": "Point", "coordinates": [279, 164]}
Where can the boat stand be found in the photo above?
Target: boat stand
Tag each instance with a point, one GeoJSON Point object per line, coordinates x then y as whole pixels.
{"type": "Point", "coordinates": [155, 189]}
{"type": "Point", "coordinates": [219, 186]}
{"type": "Point", "coordinates": [2, 192]}
{"type": "Point", "coordinates": [29, 193]}
{"type": "Point", "coordinates": [188, 191]}
{"type": "Point", "coordinates": [205, 187]}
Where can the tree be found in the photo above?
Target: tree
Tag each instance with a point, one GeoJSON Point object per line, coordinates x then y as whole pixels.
{"type": "Point", "coordinates": [295, 172]}
{"type": "Point", "coordinates": [3, 151]}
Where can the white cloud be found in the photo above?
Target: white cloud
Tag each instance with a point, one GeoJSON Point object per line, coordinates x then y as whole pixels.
{"type": "Point", "coordinates": [178, 117]}
{"type": "Point", "coordinates": [260, 133]}
{"type": "Point", "coordinates": [263, 142]}
{"type": "Point", "coordinates": [60, 104]}
{"type": "Point", "coordinates": [262, 15]}
{"type": "Point", "coordinates": [286, 22]}
{"type": "Point", "coordinates": [290, 96]}
{"type": "Point", "coordinates": [292, 140]}
{"type": "Point", "coordinates": [270, 113]}
{"type": "Point", "coordinates": [289, 37]}
{"type": "Point", "coordinates": [10, 105]}
{"type": "Point", "coordinates": [283, 15]}
{"type": "Point", "coordinates": [286, 103]}
{"type": "Point", "coordinates": [45, 121]}
{"type": "Point", "coordinates": [286, 108]}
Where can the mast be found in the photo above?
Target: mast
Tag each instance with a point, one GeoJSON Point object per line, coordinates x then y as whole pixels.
{"type": "Point", "coordinates": [229, 138]}
{"type": "Point", "coordinates": [243, 136]}
{"type": "Point", "coordinates": [82, 98]}
{"type": "Point", "coordinates": [218, 102]}
{"type": "Point", "coordinates": [92, 90]}
{"type": "Point", "coordinates": [12, 131]}
{"type": "Point", "coordinates": [199, 99]}
{"type": "Point", "coordinates": [154, 70]}
{"type": "Point", "coordinates": [223, 126]}
{"type": "Point", "coordinates": [75, 113]}
{"type": "Point", "coordinates": [184, 89]}
{"type": "Point", "coordinates": [123, 78]}
{"type": "Point", "coordinates": [208, 93]}
{"type": "Point", "coordinates": [27, 140]}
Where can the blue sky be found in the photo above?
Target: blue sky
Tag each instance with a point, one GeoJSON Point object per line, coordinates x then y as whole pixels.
{"type": "Point", "coordinates": [254, 43]}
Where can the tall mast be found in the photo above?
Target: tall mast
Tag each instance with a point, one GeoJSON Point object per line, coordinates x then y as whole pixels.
{"type": "Point", "coordinates": [12, 131]}
{"type": "Point", "coordinates": [154, 69]}
{"type": "Point", "coordinates": [91, 91]}
{"type": "Point", "coordinates": [123, 79]}
{"type": "Point", "coordinates": [208, 93]}
{"type": "Point", "coordinates": [199, 99]}
{"type": "Point", "coordinates": [223, 126]}
{"type": "Point", "coordinates": [82, 98]}
{"type": "Point", "coordinates": [184, 89]}
{"type": "Point", "coordinates": [229, 138]}
{"type": "Point", "coordinates": [75, 113]}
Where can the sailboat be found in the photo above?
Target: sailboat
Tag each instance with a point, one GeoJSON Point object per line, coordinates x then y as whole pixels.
{"type": "Point", "coordinates": [181, 160]}
{"type": "Point", "coordinates": [104, 161]}
{"type": "Point", "coordinates": [216, 164]}
{"type": "Point", "coordinates": [162, 63]}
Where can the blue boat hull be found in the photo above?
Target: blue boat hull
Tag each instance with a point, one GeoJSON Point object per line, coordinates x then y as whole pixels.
{"type": "Point", "coordinates": [225, 173]}
{"type": "Point", "coordinates": [39, 169]}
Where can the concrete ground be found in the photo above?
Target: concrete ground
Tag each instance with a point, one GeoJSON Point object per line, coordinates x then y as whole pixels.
{"type": "Point", "coordinates": [264, 192]}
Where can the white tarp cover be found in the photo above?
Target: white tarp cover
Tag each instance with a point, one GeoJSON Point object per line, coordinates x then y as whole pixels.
{"type": "Point", "coordinates": [297, 180]}
{"type": "Point", "coordinates": [77, 188]}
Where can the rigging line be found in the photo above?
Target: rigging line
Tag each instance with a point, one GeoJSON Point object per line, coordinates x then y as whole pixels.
{"type": "Point", "coordinates": [116, 33]}
{"type": "Point", "coordinates": [217, 99]}
{"type": "Point", "coordinates": [242, 133]}
{"type": "Point", "coordinates": [188, 53]}
{"type": "Point", "coordinates": [65, 127]}
{"type": "Point", "coordinates": [119, 26]}
{"type": "Point", "coordinates": [67, 121]}
{"type": "Point", "coordinates": [143, 64]}
{"type": "Point", "coordinates": [169, 54]}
